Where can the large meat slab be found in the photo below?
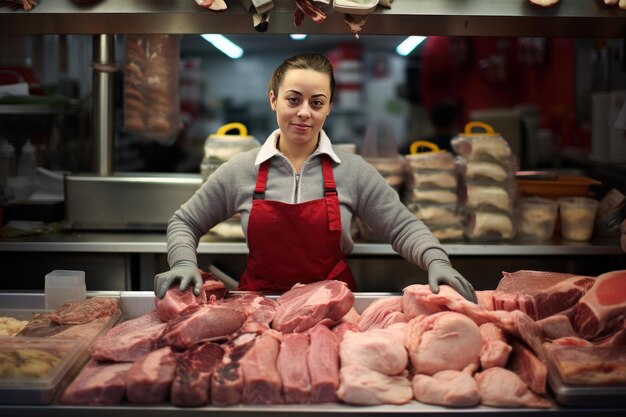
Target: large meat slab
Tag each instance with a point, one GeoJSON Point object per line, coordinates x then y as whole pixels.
{"type": "Point", "coordinates": [98, 384]}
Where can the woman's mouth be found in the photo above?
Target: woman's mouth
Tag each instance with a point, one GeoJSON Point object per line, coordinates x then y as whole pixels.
{"type": "Point", "coordinates": [301, 126]}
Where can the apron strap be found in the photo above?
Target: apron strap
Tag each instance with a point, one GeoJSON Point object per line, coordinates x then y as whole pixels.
{"type": "Point", "coordinates": [330, 187]}
{"type": "Point", "coordinates": [261, 181]}
{"type": "Point", "coordinates": [330, 195]}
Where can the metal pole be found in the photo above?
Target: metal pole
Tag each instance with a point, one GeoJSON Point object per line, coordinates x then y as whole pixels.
{"type": "Point", "coordinates": [102, 110]}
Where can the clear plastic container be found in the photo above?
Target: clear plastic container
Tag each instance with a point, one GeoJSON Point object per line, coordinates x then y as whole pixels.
{"type": "Point", "coordinates": [535, 218]}
{"type": "Point", "coordinates": [62, 286]}
{"type": "Point", "coordinates": [221, 147]}
{"type": "Point", "coordinates": [578, 216]}
{"type": "Point", "coordinates": [27, 166]}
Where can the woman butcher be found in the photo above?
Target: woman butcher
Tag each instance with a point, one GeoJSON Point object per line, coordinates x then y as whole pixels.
{"type": "Point", "coordinates": [296, 196]}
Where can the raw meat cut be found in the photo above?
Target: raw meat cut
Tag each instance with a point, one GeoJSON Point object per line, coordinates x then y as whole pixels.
{"type": "Point", "coordinates": [293, 368]}
{"type": "Point", "coordinates": [304, 306]}
{"type": "Point", "coordinates": [98, 384]}
{"type": "Point", "coordinates": [442, 341]}
{"type": "Point", "coordinates": [79, 312]}
{"type": "Point", "coordinates": [603, 308]}
{"type": "Point", "coordinates": [528, 367]}
{"type": "Point", "coordinates": [375, 350]}
{"type": "Point", "coordinates": [262, 382]}
{"type": "Point", "coordinates": [255, 307]}
{"type": "Point", "coordinates": [129, 340]}
{"type": "Point", "coordinates": [192, 384]}
{"type": "Point", "coordinates": [227, 380]}
{"type": "Point", "coordinates": [495, 350]}
{"type": "Point", "coordinates": [323, 363]}
{"type": "Point", "coordinates": [590, 365]}
{"type": "Point", "coordinates": [381, 313]}
{"type": "Point", "coordinates": [212, 288]}
{"type": "Point", "coordinates": [340, 330]}
{"type": "Point", "coordinates": [447, 388]}
{"type": "Point", "coordinates": [556, 326]}
{"type": "Point", "coordinates": [201, 322]}
{"type": "Point", "coordinates": [149, 379]}
{"type": "Point", "coordinates": [362, 386]}
{"type": "Point", "coordinates": [539, 294]}
{"type": "Point", "coordinates": [485, 299]}
{"type": "Point", "coordinates": [176, 301]}
{"type": "Point", "coordinates": [351, 317]}
{"type": "Point", "coordinates": [42, 326]}
{"type": "Point", "coordinates": [502, 388]}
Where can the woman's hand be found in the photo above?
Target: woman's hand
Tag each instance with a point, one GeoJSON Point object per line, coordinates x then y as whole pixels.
{"type": "Point", "coordinates": [441, 272]}
{"type": "Point", "coordinates": [186, 272]}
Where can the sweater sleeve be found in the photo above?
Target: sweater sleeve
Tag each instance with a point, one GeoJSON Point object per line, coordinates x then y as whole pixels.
{"type": "Point", "coordinates": [380, 208]}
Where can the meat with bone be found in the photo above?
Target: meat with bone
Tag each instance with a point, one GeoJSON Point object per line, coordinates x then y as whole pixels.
{"type": "Point", "coordinates": [192, 384]}
{"type": "Point", "coordinates": [98, 384]}
{"type": "Point", "coordinates": [149, 379]}
{"type": "Point", "coordinates": [129, 340]}
{"type": "Point", "coordinates": [255, 307]}
{"type": "Point", "coordinates": [448, 388]}
{"type": "Point", "coordinates": [539, 294]}
{"type": "Point", "coordinates": [381, 313]}
{"type": "Point", "coordinates": [603, 308]}
{"type": "Point", "coordinates": [528, 367]}
{"type": "Point", "coordinates": [323, 363]}
{"type": "Point", "coordinates": [201, 322]}
{"type": "Point", "coordinates": [443, 341]}
{"type": "Point", "coordinates": [495, 349]}
{"type": "Point", "coordinates": [227, 380]}
{"type": "Point", "coordinates": [500, 387]}
{"type": "Point", "coordinates": [304, 306]}
{"type": "Point", "coordinates": [363, 386]}
{"type": "Point", "coordinates": [293, 368]}
{"type": "Point", "coordinates": [80, 312]}
{"type": "Point", "coordinates": [377, 350]}
{"type": "Point", "coordinates": [262, 382]}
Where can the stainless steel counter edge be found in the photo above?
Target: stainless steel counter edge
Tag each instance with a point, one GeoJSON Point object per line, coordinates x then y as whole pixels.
{"type": "Point", "coordinates": [155, 243]}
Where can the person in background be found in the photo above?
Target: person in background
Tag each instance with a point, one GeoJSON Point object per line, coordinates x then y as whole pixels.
{"type": "Point", "coordinates": [296, 195]}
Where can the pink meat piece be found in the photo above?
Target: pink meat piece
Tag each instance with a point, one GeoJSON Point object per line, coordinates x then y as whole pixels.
{"type": "Point", "coordinates": [191, 386]}
{"type": "Point", "coordinates": [304, 306]}
{"type": "Point", "coordinates": [528, 367]}
{"type": "Point", "coordinates": [351, 317]}
{"type": "Point", "coordinates": [556, 326]}
{"type": "Point", "coordinates": [212, 288]}
{"type": "Point", "coordinates": [340, 330]}
{"type": "Point", "coordinates": [176, 301]}
{"type": "Point", "coordinates": [495, 349]}
{"type": "Point", "coordinates": [363, 386]}
{"type": "Point", "coordinates": [414, 302]}
{"type": "Point", "coordinates": [485, 299]}
{"type": "Point", "coordinates": [307, 8]}
{"type": "Point", "coordinates": [255, 307]}
{"type": "Point", "coordinates": [149, 379]}
{"type": "Point", "coordinates": [201, 322]}
{"type": "Point", "coordinates": [293, 368]}
{"type": "Point", "coordinates": [129, 340]}
{"type": "Point", "coordinates": [442, 341]}
{"type": "Point", "coordinates": [603, 308]}
{"type": "Point", "coordinates": [227, 380]}
{"type": "Point", "coordinates": [323, 363]}
{"type": "Point", "coordinates": [262, 382]}
{"type": "Point", "coordinates": [80, 312]}
{"type": "Point", "coordinates": [215, 5]}
{"type": "Point", "coordinates": [500, 387]}
{"type": "Point", "coordinates": [590, 365]}
{"type": "Point", "coordinates": [538, 293]}
{"type": "Point", "coordinates": [377, 350]}
{"type": "Point", "coordinates": [98, 384]}
{"type": "Point", "coordinates": [448, 388]}
{"type": "Point", "coordinates": [618, 338]}
{"type": "Point", "coordinates": [381, 313]}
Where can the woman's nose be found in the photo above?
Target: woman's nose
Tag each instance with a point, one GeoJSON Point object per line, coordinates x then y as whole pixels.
{"type": "Point", "coordinates": [304, 111]}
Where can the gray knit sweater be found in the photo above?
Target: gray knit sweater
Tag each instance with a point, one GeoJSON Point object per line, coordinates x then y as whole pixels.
{"type": "Point", "coordinates": [362, 192]}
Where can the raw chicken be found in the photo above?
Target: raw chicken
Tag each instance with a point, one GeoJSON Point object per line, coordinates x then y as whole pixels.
{"type": "Point", "coordinates": [362, 386]}
{"type": "Point", "coordinates": [502, 388]}
{"type": "Point", "coordinates": [375, 350]}
{"type": "Point", "coordinates": [447, 388]}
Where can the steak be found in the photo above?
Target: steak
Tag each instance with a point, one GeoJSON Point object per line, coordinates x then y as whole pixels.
{"type": "Point", "coordinates": [192, 384]}
{"type": "Point", "coordinates": [255, 307]}
{"type": "Point", "coordinates": [262, 382]}
{"type": "Point", "coordinates": [304, 306]}
{"type": "Point", "coordinates": [98, 384]}
{"type": "Point", "coordinates": [150, 378]}
{"type": "Point", "coordinates": [539, 294]}
{"type": "Point", "coordinates": [293, 368]}
{"type": "Point", "coordinates": [603, 308]}
{"type": "Point", "coordinates": [79, 312]}
{"type": "Point", "coordinates": [323, 363]}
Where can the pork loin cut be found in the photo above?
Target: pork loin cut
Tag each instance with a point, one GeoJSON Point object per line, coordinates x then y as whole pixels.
{"type": "Point", "coordinates": [500, 387]}
{"type": "Point", "coordinates": [98, 384]}
{"type": "Point", "coordinates": [323, 363]}
{"type": "Point", "coordinates": [447, 388]}
{"type": "Point", "coordinates": [304, 306]}
{"type": "Point", "coordinates": [603, 308]}
{"type": "Point", "coordinates": [149, 379]}
{"type": "Point", "coordinates": [262, 382]}
{"type": "Point", "coordinates": [293, 368]}
{"type": "Point", "coordinates": [192, 384]}
{"type": "Point", "coordinates": [539, 294]}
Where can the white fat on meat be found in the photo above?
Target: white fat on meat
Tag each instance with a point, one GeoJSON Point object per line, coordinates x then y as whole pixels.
{"type": "Point", "coordinates": [443, 341]}
{"type": "Point", "coordinates": [502, 388]}
{"type": "Point", "coordinates": [378, 350]}
{"type": "Point", "coordinates": [363, 386]}
{"type": "Point", "coordinates": [447, 388]}
{"type": "Point", "coordinates": [495, 349]}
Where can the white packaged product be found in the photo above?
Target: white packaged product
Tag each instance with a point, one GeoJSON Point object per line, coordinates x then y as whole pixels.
{"type": "Point", "coordinates": [484, 196]}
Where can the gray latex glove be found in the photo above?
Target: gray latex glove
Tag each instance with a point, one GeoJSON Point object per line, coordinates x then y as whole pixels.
{"type": "Point", "coordinates": [186, 272]}
{"type": "Point", "coordinates": [441, 272]}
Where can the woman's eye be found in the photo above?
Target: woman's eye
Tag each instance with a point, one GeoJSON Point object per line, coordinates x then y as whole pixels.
{"type": "Point", "coordinates": [293, 100]}
{"type": "Point", "coordinates": [318, 103]}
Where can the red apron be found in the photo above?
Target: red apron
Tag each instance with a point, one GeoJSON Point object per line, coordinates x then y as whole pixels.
{"type": "Point", "coordinates": [294, 243]}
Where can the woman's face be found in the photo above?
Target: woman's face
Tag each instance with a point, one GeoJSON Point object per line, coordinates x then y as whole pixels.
{"type": "Point", "coordinates": [302, 105]}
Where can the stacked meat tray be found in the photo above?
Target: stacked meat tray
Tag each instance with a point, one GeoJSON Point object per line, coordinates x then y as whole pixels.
{"type": "Point", "coordinates": [541, 342]}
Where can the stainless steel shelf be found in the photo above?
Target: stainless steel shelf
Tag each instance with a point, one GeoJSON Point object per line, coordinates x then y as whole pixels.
{"type": "Point", "coordinates": [30, 109]}
{"type": "Point", "coordinates": [571, 18]}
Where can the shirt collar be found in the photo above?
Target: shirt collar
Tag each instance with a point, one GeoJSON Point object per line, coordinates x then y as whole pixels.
{"type": "Point", "coordinates": [269, 149]}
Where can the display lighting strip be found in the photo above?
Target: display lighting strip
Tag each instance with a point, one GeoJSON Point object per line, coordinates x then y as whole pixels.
{"type": "Point", "coordinates": [225, 45]}
{"type": "Point", "coordinates": [297, 36]}
{"type": "Point", "coordinates": [410, 43]}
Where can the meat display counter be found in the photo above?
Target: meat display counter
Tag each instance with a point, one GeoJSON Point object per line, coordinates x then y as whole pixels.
{"type": "Point", "coordinates": [134, 304]}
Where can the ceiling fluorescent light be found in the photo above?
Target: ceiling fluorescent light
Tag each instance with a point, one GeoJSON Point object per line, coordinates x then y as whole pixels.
{"type": "Point", "coordinates": [298, 36]}
{"type": "Point", "coordinates": [224, 44]}
{"type": "Point", "coordinates": [410, 43]}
